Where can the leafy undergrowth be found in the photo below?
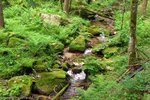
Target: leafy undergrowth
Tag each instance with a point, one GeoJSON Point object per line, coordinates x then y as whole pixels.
{"type": "Point", "coordinates": [28, 46]}
{"type": "Point", "coordinates": [26, 42]}
{"type": "Point", "coordinates": [105, 86]}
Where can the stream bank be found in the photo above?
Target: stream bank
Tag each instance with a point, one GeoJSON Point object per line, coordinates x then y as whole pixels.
{"type": "Point", "coordinates": [42, 60]}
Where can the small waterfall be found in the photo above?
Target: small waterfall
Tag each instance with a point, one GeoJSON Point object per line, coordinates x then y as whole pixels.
{"type": "Point", "coordinates": [75, 79]}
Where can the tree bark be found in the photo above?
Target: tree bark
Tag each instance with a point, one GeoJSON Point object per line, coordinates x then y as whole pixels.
{"type": "Point", "coordinates": [144, 6]}
{"type": "Point", "coordinates": [66, 6]}
{"type": "Point", "coordinates": [132, 33]}
{"type": "Point", "coordinates": [1, 15]}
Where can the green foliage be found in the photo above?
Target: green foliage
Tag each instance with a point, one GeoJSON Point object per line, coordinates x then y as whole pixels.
{"type": "Point", "coordinates": [15, 90]}
{"type": "Point", "coordinates": [121, 37]}
{"type": "Point", "coordinates": [99, 89]}
{"type": "Point", "coordinates": [99, 4]}
{"type": "Point", "coordinates": [106, 87]}
{"type": "Point", "coordinates": [20, 85]}
{"type": "Point", "coordinates": [28, 45]}
{"type": "Point", "coordinates": [99, 47]}
{"type": "Point", "coordinates": [78, 44]}
{"type": "Point", "coordinates": [110, 51]}
{"type": "Point", "coordinates": [92, 65]}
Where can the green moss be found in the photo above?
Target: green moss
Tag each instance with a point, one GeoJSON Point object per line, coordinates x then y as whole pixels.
{"type": "Point", "coordinates": [14, 42]}
{"type": "Point", "coordinates": [78, 44]}
{"type": "Point", "coordinates": [27, 62]}
{"type": "Point", "coordinates": [24, 82]}
{"type": "Point", "coordinates": [98, 47]}
{"type": "Point", "coordinates": [108, 52]}
{"type": "Point", "coordinates": [65, 66]}
{"type": "Point", "coordinates": [43, 63]}
{"type": "Point", "coordinates": [56, 66]}
{"type": "Point", "coordinates": [146, 96]}
{"type": "Point", "coordinates": [40, 68]}
{"type": "Point", "coordinates": [6, 51]}
{"type": "Point", "coordinates": [3, 37]}
{"type": "Point", "coordinates": [57, 46]}
{"type": "Point", "coordinates": [106, 62]}
{"type": "Point", "coordinates": [49, 80]}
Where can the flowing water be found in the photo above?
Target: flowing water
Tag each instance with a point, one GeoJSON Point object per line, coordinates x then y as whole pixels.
{"type": "Point", "coordinates": [75, 80]}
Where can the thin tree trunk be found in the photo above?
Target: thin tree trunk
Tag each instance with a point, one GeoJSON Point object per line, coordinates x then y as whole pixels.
{"type": "Point", "coordinates": [132, 33]}
{"type": "Point", "coordinates": [1, 15]}
{"type": "Point", "coordinates": [66, 6]}
{"type": "Point", "coordinates": [123, 11]}
{"type": "Point", "coordinates": [144, 6]}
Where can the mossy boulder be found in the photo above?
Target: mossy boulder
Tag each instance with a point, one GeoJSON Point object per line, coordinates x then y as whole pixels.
{"type": "Point", "coordinates": [146, 96]}
{"type": "Point", "coordinates": [14, 42]}
{"type": "Point", "coordinates": [53, 19]}
{"type": "Point", "coordinates": [56, 66]}
{"type": "Point", "coordinates": [57, 46]}
{"type": "Point", "coordinates": [98, 47]}
{"type": "Point", "coordinates": [3, 37]}
{"type": "Point", "coordinates": [42, 63]}
{"type": "Point", "coordinates": [78, 44]}
{"type": "Point", "coordinates": [50, 82]}
{"type": "Point", "coordinates": [26, 62]}
{"type": "Point", "coordinates": [64, 66]}
{"type": "Point", "coordinates": [3, 88]}
{"type": "Point", "coordinates": [108, 52]}
{"type": "Point", "coordinates": [94, 30]}
{"type": "Point", "coordinates": [40, 68]}
{"type": "Point", "coordinates": [24, 82]}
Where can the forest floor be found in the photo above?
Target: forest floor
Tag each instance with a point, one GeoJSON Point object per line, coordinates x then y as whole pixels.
{"type": "Point", "coordinates": [40, 45]}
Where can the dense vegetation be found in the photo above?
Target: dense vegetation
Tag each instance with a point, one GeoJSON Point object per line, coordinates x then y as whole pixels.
{"type": "Point", "coordinates": [33, 44]}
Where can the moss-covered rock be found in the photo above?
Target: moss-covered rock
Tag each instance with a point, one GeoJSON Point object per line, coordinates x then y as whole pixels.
{"type": "Point", "coordinates": [42, 64]}
{"type": "Point", "coordinates": [27, 62]}
{"type": "Point", "coordinates": [65, 66]}
{"type": "Point", "coordinates": [57, 46]}
{"type": "Point", "coordinates": [3, 37]}
{"type": "Point", "coordinates": [78, 44]}
{"type": "Point", "coordinates": [3, 88]}
{"type": "Point", "coordinates": [56, 66]}
{"type": "Point", "coordinates": [108, 52]}
{"type": "Point", "coordinates": [24, 82]}
{"type": "Point", "coordinates": [53, 19]}
{"type": "Point", "coordinates": [94, 30]}
{"type": "Point", "coordinates": [98, 48]}
{"type": "Point", "coordinates": [50, 82]}
{"type": "Point", "coordinates": [146, 96]}
{"type": "Point", "coordinates": [40, 68]}
{"type": "Point", "coordinates": [13, 42]}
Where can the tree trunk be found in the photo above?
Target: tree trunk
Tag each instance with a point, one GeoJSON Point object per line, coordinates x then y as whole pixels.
{"type": "Point", "coordinates": [132, 34]}
{"type": "Point", "coordinates": [1, 15]}
{"type": "Point", "coordinates": [143, 7]}
{"type": "Point", "coordinates": [66, 6]}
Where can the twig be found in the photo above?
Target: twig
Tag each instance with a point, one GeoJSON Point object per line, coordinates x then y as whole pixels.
{"type": "Point", "coordinates": [129, 69]}
{"type": "Point", "coordinates": [60, 92]}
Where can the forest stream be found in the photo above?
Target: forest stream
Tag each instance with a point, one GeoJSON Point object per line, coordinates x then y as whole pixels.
{"type": "Point", "coordinates": [74, 50]}
{"type": "Point", "coordinates": [77, 78]}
